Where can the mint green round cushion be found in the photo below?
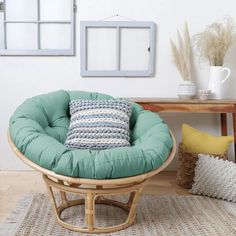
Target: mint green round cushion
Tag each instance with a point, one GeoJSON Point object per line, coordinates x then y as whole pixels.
{"type": "Point", "coordinates": [39, 128]}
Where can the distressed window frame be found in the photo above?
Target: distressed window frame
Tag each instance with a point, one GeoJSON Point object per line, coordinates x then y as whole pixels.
{"type": "Point", "coordinates": [38, 51]}
{"type": "Point", "coordinates": [84, 25]}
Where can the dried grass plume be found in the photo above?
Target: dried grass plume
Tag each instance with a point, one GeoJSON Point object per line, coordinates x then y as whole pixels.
{"type": "Point", "coordinates": [182, 53]}
{"type": "Point", "coordinates": [215, 41]}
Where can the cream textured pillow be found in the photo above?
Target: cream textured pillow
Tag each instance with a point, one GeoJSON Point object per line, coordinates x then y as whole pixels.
{"type": "Point", "coordinates": [215, 177]}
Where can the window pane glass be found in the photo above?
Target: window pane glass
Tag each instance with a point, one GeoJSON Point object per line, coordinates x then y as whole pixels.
{"type": "Point", "coordinates": [134, 54]}
{"type": "Point", "coordinates": [21, 36]}
{"type": "Point", "coordinates": [101, 48]}
{"type": "Point", "coordinates": [55, 10]}
{"type": "Point", "coordinates": [55, 36]}
{"type": "Point", "coordinates": [21, 10]}
{"type": "Point", "coordinates": [1, 31]}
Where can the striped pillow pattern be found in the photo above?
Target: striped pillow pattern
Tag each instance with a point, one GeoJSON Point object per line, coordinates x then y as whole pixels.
{"type": "Point", "coordinates": [99, 124]}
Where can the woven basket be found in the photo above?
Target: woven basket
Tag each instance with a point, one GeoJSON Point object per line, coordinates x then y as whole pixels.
{"type": "Point", "coordinates": [186, 167]}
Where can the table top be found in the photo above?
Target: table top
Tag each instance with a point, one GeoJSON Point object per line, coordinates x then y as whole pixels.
{"type": "Point", "coordinates": [141, 100]}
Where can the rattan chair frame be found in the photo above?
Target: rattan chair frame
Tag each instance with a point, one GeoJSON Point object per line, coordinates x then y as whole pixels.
{"type": "Point", "coordinates": [93, 192]}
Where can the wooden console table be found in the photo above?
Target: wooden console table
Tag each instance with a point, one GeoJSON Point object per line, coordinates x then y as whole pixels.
{"type": "Point", "coordinates": [221, 107]}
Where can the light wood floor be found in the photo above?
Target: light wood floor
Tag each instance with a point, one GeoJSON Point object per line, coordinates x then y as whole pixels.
{"type": "Point", "coordinates": [14, 185]}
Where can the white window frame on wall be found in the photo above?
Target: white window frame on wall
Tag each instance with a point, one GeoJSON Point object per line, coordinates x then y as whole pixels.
{"type": "Point", "coordinates": [38, 52]}
{"type": "Point", "coordinates": [84, 25]}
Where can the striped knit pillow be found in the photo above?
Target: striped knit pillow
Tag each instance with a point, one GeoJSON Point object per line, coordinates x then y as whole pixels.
{"type": "Point", "coordinates": [99, 124]}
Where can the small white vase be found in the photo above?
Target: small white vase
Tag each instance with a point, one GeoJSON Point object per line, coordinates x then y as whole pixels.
{"type": "Point", "coordinates": [217, 78]}
{"type": "Point", "coordinates": [187, 90]}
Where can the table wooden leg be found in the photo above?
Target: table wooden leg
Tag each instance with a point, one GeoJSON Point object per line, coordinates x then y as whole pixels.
{"type": "Point", "coordinates": [234, 130]}
{"type": "Point", "coordinates": [223, 121]}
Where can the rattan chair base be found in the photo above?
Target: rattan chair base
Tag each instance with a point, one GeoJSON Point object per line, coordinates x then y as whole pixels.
{"type": "Point", "coordinates": [93, 195]}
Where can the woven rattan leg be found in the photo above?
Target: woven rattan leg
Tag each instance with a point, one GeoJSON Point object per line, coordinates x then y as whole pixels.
{"type": "Point", "coordinates": [90, 211]}
{"type": "Point", "coordinates": [63, 195]}
{"type": "Point", "coordinates": [53, 201]}
{"type": "Point", "coordinates": [134, 197]}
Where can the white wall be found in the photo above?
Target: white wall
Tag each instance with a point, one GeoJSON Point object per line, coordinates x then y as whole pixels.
{"type": "Point", "coordinates": [23, 77]}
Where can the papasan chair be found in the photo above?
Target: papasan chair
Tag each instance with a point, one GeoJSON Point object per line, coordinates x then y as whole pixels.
{"type": "Point", "coordinates": [37, 133]}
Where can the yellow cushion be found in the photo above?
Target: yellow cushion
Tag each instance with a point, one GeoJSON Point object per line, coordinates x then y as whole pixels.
{"type": "Point", "coordinates": [196, 141]}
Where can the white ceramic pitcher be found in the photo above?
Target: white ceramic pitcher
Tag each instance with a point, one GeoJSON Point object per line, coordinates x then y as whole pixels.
{"type": "Point", "coordinates": [218, 75]}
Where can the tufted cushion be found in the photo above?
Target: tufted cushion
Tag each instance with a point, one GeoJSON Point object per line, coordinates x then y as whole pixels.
{"type": "Point", "coordinates": [99, 124]}
{"type": "Point", "coordinates": [39, 128]}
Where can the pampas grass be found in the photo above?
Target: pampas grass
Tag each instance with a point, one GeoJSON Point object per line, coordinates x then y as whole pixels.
{"type": "Point", "coordinates": [215, 41]}
{"type": "Point", "coordinates": [182, 53]}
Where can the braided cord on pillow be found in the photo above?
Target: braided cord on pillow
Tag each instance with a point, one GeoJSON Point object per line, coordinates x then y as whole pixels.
{"type": "Point", "coordinates": [215, 177]}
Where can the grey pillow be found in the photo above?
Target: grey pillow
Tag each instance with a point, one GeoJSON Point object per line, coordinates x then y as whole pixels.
{"type": "Point", "coordinates": [215, 177]}
{"type": "Point", "coordinates": [99, 124]}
